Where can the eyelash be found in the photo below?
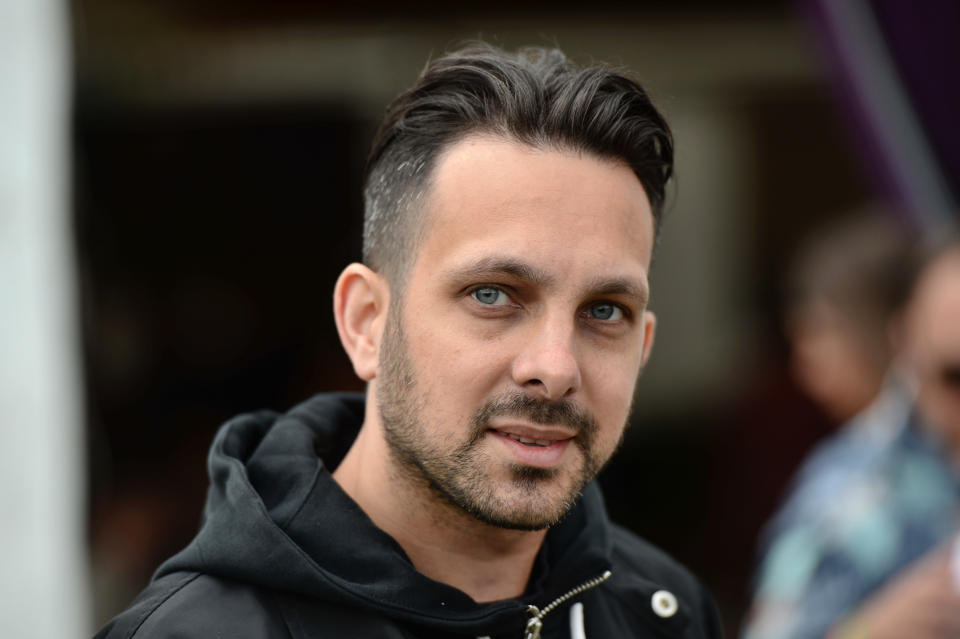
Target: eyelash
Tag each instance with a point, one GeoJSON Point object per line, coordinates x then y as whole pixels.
{"type": "Point", "coordinates": [625, 312]}
{"type": "Point", "coordinates": [480, 287]}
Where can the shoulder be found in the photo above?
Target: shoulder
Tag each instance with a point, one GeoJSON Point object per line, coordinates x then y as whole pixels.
{"type": "Point", "coordinates": [852, 467]}
{"type": "Point", "coordinates": [190, 604]}
{"type": "Point", "coordinates": [861, 447]}
{"type": "Point", "coordinates": [838, 537]}
{"type": "Point", "coordinates": [833, 467]}
{"type": "Point", "coordinates": [642, 572]}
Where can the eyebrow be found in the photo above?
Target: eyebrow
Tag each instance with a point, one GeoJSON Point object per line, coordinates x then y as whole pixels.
{"type": "Point", "coordinates": [512, 267]}
{"type": "Point", "coordinates": [620, 286]}
{"type": "Point", "coordinates": [496, 265]}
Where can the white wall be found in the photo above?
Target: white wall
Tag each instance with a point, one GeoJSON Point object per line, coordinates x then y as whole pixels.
{"type": "Point", "coordinates": [43, 585]}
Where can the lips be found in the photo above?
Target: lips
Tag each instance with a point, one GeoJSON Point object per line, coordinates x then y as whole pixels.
{"type": "Point", "coordinates": [542, 435]}
{"type": "Point", "coordinates": [530, 442]}
{"type": "Point", "coordinates": [532, 446]}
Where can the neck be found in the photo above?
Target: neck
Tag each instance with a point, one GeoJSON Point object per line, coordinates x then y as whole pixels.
{"type": "Point", "coordinates": [443, 542]}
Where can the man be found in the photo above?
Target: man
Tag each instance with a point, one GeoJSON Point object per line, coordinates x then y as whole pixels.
{"type": "Point", "coordinates": [499, 318]}
{"type": "Point", "coordinates": [874, 559]}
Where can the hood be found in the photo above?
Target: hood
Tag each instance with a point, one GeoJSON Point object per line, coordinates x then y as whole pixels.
{"type": "Point", "coordinates": [276, 518]}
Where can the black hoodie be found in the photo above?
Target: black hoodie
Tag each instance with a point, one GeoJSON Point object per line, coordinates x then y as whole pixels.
{"type": "Point", "coordinates": [284, 552]}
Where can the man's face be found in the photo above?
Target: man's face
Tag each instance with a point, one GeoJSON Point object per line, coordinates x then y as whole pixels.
{"type": "Point", "coordinates": [508, 364]}
{"type": "Point", "coordinates": [933, 342]}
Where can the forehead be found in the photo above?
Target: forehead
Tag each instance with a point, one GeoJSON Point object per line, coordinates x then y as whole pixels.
{"type": "Point", "coordinates": [570, 213]}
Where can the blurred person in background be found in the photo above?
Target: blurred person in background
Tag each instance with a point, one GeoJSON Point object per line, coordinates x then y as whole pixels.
{"type": "Point", "coordinates": [843, 293]}
{"type": "Point", "coordinates": [500, 321]}
{"type": "Point", "coordinates": [860, 547]}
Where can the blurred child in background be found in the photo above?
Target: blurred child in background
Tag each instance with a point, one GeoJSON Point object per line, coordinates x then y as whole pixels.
{"type": "Point", "coordinates": [844, 291]}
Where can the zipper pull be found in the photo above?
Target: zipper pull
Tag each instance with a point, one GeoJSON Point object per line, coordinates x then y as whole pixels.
{"type": "Point", "coordinates": [534, 624]}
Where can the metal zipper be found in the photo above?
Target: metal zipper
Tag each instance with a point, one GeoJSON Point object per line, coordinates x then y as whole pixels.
{"type": "Point", "coordinates": [535, 623]}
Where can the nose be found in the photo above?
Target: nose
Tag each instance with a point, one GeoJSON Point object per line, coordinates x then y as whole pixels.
{"type": "Point", "coordinates": [548, 365]}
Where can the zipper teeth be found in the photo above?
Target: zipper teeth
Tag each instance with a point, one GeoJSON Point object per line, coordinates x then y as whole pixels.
{"type": "Point", "coordinates": [587, 585]}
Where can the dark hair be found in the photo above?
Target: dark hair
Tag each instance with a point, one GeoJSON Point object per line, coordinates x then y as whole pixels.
{"type": "Point", "coordinates": [863, 266]}
{"type": "Point", "coordinates": [534, 96]}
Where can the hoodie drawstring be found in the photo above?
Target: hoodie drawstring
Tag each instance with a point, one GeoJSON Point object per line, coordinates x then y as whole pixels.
{"type": "Point", "coordinates": [577, 629]}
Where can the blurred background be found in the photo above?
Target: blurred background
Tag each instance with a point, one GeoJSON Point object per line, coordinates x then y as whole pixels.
{"type": "Point", "coordinates": [181, 186]}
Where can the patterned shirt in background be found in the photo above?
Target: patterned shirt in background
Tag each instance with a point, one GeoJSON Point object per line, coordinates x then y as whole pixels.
{"type": "Point", "coordinates": [871, 499]}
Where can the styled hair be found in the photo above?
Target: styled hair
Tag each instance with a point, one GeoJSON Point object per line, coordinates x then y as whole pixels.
{"type": "Point", "coordinates": [534, 96]}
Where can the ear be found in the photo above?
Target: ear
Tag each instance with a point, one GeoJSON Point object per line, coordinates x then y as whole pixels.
{"type": "Point", "coordinates": [361, 300]}
{"type": "Point", "coordinates": [649, 330]}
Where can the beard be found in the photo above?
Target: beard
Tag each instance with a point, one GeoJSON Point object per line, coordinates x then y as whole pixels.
{"type": "Point", "coordinates": [462, 473]}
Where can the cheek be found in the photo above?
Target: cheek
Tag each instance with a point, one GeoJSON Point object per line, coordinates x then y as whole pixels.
{"type": "Point", "coordinates": [453, 366]}
{"type": "Point", "coordinates": [450, 354]}
{"type": "Point", "coordinates": [610, 385]}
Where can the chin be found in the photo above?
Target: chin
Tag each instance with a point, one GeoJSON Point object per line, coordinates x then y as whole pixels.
{"type": "Point", "coordinates": [527, 519]}
{"type": "Point", "coordinates": [533, 501]}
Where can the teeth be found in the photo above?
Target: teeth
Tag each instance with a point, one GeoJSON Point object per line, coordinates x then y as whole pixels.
{"type": "Point", "coordinates": [530, 442]}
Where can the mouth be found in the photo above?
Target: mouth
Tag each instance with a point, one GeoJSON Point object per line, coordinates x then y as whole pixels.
{"type": "Point", "coordinates": [539, 448]}
{"type": "Point", "coordinates": [530, 442]}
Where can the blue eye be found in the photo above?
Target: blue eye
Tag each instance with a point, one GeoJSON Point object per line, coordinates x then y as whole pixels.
{"type": "Point", "coordinates": [605, 311]}
{"type": "Point", "coordinates": [490, 296]}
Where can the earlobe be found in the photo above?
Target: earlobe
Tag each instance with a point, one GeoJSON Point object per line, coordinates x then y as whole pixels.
{"type": "Point", "coordinates": [361, 299]}
{"type": "Point", "coordinates": [649, 330]}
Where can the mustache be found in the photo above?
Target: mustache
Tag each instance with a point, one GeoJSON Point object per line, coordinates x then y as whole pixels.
{"type": "Point", "coordinates": [560, 412]}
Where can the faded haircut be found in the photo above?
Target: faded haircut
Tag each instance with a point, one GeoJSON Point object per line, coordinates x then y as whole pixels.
{"type": "Point", "coordinates": [534, 96]}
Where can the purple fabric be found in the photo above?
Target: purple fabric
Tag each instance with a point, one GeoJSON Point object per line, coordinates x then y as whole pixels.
{"type": "Point", "coordinates": [924, 45]}
{"type": "Point", "coordinates": [924, 41]}
{"type": "Point", "coordinates": [878, 168]}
